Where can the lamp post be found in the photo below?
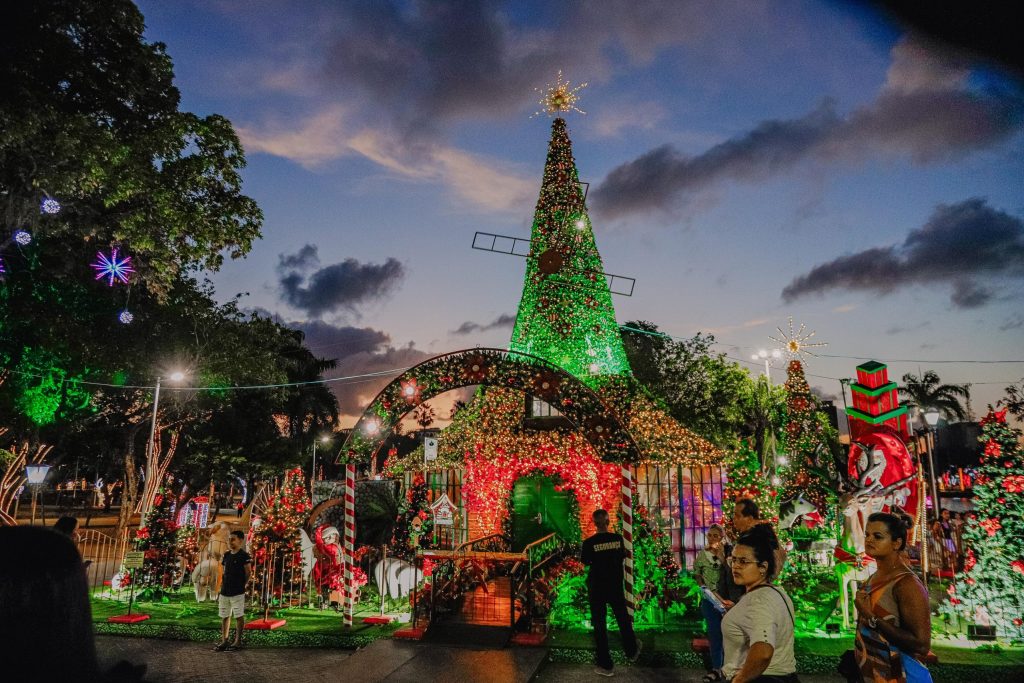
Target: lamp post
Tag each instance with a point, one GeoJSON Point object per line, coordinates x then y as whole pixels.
{"type": "Point", "coordinates": [767, 357]}
{"type": "Point", "coordinates": [36, 475]}
{"type": "Point", "coordinates": [931, 417]}
{"type": "Point", "coordinates": [312, 470]}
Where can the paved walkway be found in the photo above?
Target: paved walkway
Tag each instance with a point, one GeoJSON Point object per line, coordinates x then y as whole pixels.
{"type": "Point", "coordinates": [172, 661]}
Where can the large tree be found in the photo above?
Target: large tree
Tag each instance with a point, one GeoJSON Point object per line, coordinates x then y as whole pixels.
{"type": "Point", "coordinates": [928, 392]}
{"type": "Point", "coordinates": [703, 390]}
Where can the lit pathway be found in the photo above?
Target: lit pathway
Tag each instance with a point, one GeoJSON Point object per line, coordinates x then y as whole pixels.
{"type": "Point", "coordinates": [172, 661]}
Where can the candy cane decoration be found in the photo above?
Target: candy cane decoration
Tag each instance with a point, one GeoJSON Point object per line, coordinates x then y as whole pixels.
{"type": "Point", "coordinates": [350, 540]}
{"type": "Point", "coordinates": [626, 515]}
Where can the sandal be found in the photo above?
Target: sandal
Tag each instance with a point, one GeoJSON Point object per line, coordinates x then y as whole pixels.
{"type": "Point", "coordinates": [713, 676]}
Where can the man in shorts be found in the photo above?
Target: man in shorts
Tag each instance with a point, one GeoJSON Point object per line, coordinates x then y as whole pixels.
{"type": "Point", "coordinates": [231, 603]}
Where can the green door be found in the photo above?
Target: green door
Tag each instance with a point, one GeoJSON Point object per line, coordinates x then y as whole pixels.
{"type": "Point", "coordinates": [538, 510]}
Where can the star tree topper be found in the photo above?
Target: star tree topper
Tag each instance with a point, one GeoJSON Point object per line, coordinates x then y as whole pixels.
{"type": "Point", "coordinates": [797, 343]}
{"type": "Point", "coordinates": [560, 97]}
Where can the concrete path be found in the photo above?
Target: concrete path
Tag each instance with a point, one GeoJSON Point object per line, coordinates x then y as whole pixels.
{"type": "Point", "coordinates": [172, 661]}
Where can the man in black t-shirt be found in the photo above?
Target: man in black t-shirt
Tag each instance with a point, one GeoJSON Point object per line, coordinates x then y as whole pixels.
{"type": "Point", "coordinates": [231, 603]}
{"type": "Point", "coordinates": [604, 553]}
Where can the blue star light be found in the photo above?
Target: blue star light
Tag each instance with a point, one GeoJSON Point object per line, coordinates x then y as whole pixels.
{"type": "Point", "coordinates": [112, 267]}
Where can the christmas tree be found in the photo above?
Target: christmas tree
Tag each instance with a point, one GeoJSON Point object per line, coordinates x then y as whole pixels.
{"type": "Point", "coordinates": [277, 541]}
{"type": "Point", "coordinates": [658, 581]}
{"type": "Point", "coordinates": [412, 528]}
{"type": "Point", "coordinates": [810, 469]}
{"type": "Point", "coordinates": [747, 479]}
{"type": "Point", "coordinates": [990, 589]}
{"type": "Point", "coordinates": [158, 539]}
{"type": "Point", "coordinates": [566, 314]}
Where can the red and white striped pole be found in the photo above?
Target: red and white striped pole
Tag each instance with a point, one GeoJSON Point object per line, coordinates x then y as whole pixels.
{"type": "Point", "coordinates": [350, 541]}
{"type": "Point", "coordinates": [626, 515]}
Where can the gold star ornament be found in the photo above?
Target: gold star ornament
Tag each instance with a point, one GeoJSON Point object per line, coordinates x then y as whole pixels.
{"type": "Point", "coordinates": [796, 343]}
{"type": "Point", "coordinates": [560, 97]}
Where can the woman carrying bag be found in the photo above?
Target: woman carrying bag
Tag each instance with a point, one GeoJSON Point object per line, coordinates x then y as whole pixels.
{"type": "Point", "coordinates": [893, 622]}
{"type": "Point", "coordinates": [758, 630]}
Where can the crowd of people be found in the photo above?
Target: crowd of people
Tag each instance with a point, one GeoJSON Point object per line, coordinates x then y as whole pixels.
{"type": "Point", "coordinates": [750, 619]}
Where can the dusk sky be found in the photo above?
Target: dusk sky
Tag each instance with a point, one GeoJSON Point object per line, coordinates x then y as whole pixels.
{"type": "Point", "coordinates": [748, 161]}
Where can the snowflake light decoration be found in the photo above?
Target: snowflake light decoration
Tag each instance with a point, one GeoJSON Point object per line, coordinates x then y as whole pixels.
{"type": "Point", "coordinates": [112, 267]}
{"type": "Point", "coordinates": [560, 97]}
{"type": "Point", "coordinates": [126, 317]}
{"type": "Point", "coordinates": [49, 205]}
{"type": "Point", "coordinates": [23, 237]}
{"type": "Point", "coordinates": [796, 344]}
{"type": "Point", "coordinates": [3, 268]}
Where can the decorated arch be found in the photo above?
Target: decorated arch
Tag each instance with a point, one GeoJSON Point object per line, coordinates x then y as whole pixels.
{"type": "Point", "coordinates": [602, 427]}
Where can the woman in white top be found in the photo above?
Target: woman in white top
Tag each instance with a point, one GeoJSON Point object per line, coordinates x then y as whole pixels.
{"type": "Point", "coordinates": [758, 631]}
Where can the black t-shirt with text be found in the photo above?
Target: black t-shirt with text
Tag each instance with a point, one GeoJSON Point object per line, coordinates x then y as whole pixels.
{"type": "Point", "coordinates": [234, 573]}
{"type": "Point", "coordinates": [604, 553]}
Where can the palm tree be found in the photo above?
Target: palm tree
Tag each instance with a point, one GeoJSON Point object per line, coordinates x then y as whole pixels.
{"type": "Point", "coordinates": [926, 393]}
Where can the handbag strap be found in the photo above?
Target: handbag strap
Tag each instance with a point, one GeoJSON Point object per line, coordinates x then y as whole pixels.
{"type": "Point", "coordinates": [784, 602]}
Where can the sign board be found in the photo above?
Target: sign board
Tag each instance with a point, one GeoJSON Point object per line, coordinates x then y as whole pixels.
{"type": "Point", "coordinates": [444, 511]}
{"type": "Point", "coordinates": [429, 448]}
{"type": "Point", "coordinates": [134, 559]}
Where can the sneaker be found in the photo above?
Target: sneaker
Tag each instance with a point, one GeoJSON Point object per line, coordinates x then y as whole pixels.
{"type": "Point", "coordinates": [601, 671]}
{"type": "Point", "coordinates": [639, 649]}
{"type": "Point", "coordinates": [223, 645]}
{"type": "Point", "coordinates": [234, 647]}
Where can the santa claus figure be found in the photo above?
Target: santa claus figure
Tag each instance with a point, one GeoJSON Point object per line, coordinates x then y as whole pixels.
{"type": "Point", "coordinates": [329, 565]}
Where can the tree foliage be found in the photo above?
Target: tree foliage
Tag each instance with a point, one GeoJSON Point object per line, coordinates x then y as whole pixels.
{"type": "Point", "coordinates": [927, 392]}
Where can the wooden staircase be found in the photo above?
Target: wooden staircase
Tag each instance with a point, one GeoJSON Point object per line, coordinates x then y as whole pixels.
{"type": "Point", "coordinates": [489, 604]}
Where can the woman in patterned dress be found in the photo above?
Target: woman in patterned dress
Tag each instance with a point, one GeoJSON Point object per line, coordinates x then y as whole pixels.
{"type": "Point", "coordinates": [892, 605]}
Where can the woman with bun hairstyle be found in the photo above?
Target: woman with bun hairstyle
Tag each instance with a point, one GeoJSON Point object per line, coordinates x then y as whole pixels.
{"type": "Point", "coordinates": [758, 630]}
{"type": "Point", "coordinates": [893, 619]}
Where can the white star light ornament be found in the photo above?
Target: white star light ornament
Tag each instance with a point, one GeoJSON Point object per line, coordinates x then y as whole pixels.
{"type": "Point", "coordinates": [796, 343]}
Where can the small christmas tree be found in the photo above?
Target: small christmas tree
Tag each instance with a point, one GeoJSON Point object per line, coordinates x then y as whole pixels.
{"type": "Point", "coordinates": [658, 581]}
{"type": "Point", "coordinates": [990, 589]}
{"type": "Point", "coordinates": [277, 541]}
{"type": "Point", "coordinates": [158, 539]}
{"type": "Point", "coordinates": [747, 479]}
{"type": "Point", "coordinates": [413, 526]}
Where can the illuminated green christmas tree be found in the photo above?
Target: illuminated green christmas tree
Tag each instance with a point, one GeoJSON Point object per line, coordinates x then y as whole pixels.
{"type": "Point", "coordinates": [566, 314]}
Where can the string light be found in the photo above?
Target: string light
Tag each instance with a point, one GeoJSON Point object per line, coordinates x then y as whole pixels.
{"type": "Point", "coordinates": [49, 205]}
{"type": "Point", "coordinates": [125, 317]}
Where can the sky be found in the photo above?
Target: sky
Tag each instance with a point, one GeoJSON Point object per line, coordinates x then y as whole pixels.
{"type": "Point", "coordinates": [748, 161]}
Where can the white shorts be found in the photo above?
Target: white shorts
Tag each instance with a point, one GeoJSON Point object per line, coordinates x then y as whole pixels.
{"type": "Point", "coordinates": [231, 607]}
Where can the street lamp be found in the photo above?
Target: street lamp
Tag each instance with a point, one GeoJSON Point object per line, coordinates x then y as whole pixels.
{"type": "Point", "coordinates": [931, 418]}
{"type": "Point", "coordinates": [36, 475]}
{"type": "Point", "coordinates": [312, 472]}
{"type": "Point", "coordinates": [764, 355]}
{"type": "Point", "coordinates": [175, 376]}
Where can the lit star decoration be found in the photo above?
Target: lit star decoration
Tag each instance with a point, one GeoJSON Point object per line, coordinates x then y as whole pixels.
{"type": "Point", "coordinates": [560, 97]}
{"type": "Point", "coordinates": [796, 344]}
{"type": "Point", "coordinates": [126, 317]}
{"type": "Point", "coordinates": [50, 206]}
{"type": "Point", "coordinates": [112, 267]}
{"type": "Point", "coordinates": [23, 237]}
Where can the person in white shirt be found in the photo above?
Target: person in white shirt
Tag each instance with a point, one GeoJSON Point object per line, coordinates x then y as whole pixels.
{"type": "Point", "coordinates": [758, 630]}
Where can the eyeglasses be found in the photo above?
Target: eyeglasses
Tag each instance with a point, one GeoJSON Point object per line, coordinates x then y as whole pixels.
{"type": "Point", "coordinates": [741, 561]}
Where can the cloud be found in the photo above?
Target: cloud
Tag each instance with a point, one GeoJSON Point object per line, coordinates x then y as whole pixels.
{"type": "Point", "coordinates": [900, 329]}
{"type": "Point", "coordinates": [1014, 322]}
{"type": "Point", "coordinates": [304, 258]}
{"type": "Point", "coordinates": [338, 287]}
{"type": "Point", "coordinates": [925, 112]}
{"type": "Point", "coordinates": [469, 327]}
{"type": "Point", "coordinates": [958, 243]}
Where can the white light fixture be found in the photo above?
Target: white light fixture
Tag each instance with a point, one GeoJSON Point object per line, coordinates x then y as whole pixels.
{"type": "Point", "coordinates": [325, 438]}
{"type": "Point", "coordinates": [776, 480]}
{"type": "Point", "coordinates": [372, 427]}
{"type": "Point", "coordinates": [594, 368]}
{"type": "Point", "coordinates": [176, 376]}
{"type": "Point", "coordinates": [580, 224]}
{"type": "Point", "coordinates": [776, 354]}
{"type": "Point", "coordinates": [36, 474]}
{"type": "Point", "coordinates": [409, 390]}
{"type": "Point", "coordinates": [931, 416]}
{"type": "Point", "coordinates": [782, 460]}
